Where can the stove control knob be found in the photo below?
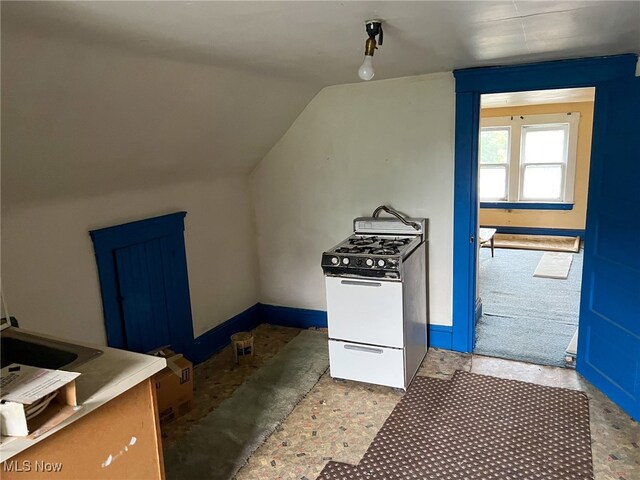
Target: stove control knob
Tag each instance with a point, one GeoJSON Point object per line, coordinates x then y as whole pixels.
{"type": "Point", "coordinates": [345, 261]}
{"type": "Point", "coordinates": [369, 262]}
{"type": "Point", "coordinates": [381, 263]}
{"type": "Point", "coordinates": [335, 260]}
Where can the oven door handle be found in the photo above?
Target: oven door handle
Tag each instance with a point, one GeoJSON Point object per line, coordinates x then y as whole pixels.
{"type": "Point", "coordinates": [361, 284]}
{"type": "Point", "coordinates": [360, 348]}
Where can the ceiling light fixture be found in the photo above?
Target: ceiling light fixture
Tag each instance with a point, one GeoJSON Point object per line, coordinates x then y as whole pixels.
{"type": "Point", "coordinates": [373, 27]}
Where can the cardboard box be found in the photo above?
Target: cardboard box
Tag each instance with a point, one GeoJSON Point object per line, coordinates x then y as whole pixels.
{"type": "Point", "coordinates": [174, 386]}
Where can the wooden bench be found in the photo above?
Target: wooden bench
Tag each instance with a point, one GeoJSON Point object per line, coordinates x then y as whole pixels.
{"type": "Point", "coordinates": [486, 236]}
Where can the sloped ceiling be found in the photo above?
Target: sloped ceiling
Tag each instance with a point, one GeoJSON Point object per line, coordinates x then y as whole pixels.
{"type": "Point", "coordinates": [105, 96]}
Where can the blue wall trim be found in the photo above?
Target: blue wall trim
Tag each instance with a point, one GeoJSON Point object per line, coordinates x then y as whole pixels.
{"type": "Point", "coordinates": [527, 205]}
{"type": "Point", "coordinates": [292, 317]}
{"type": "Point", "coordinates": [581, 72]}
{"type": "Point", "coordinates": [470, 84]}
{"type": "Point", "coordinates": [218, 337]}
{"type": "Point", "coordinates": [562, 232]}
{"type": "Point", "coordinates": [440, 336]}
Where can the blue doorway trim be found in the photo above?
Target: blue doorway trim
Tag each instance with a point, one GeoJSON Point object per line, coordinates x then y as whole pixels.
{"type": "Point", "coordinates": [107, 240]}
{"type": "Point", "coordinates": [470, 85]}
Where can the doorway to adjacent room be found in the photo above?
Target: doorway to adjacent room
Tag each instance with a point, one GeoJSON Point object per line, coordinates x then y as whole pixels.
{"type": "Point", "coordinates": [533, 174]}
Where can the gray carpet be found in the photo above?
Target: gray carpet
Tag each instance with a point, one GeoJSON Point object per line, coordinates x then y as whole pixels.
{"type": "Point", "coordinates": [219, 445]}
{"type": "Point", "coordinates": [524, 317]}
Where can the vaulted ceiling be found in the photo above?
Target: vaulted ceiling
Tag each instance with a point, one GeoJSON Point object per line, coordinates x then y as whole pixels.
{"type": "Point", "coordinates": [99, 96]}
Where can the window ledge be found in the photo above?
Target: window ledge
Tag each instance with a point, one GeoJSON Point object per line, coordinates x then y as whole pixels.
{"type": "Point", "coordinates": [527, 205]}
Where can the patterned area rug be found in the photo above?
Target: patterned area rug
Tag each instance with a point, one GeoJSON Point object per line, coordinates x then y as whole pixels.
{"type": "Point", "coordinates": [478, 427]}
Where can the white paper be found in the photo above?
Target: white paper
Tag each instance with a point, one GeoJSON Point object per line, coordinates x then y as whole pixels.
{"type": "Point", "coordinates": [12, 420]}
{"type": "Point", "coordinates": [25, 384]}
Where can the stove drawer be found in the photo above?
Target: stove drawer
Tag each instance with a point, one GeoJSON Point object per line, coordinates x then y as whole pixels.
{"type": "Point", "coordinates": [365, 311]}
{"type": "Point", "coordinates": [364, 363]}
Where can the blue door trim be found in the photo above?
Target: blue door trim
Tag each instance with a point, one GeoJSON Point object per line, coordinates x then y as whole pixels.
{"type": "Point", "coordinates": [107, 240]}
{"type": "Point", "coordinates": [470, 84]}
{"type": "Point", "coordinates": [580, 72]}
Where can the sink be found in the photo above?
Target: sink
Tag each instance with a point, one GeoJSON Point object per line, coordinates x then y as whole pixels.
{"type": "Point", "coordinates": [29, 349]}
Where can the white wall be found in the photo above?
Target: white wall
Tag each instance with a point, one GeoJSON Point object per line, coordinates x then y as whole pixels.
{"type": "Point", "coordinates": [83, 118]}
{"type": "Point", "coordinates": [95, 135]}
{"type": "Point", "coordinates": [353, 148]}
{"type": "Point", "coordinates": [49, 269]}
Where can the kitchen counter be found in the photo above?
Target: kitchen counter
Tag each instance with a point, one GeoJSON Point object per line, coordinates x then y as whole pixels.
{"type": "Point", "coordinates": [102, 379]}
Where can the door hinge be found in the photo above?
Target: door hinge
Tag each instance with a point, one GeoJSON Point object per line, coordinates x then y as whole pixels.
{"type": "Point", "coordinates": [472, 239]}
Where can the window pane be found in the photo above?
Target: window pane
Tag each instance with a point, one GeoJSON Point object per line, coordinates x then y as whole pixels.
{"type": "Point", "coordinates": [544, 145]}
{"type": "Point", "coordinates": [494, 146]}
{"type": "Point", "coordinates": [493, 183]}
{"type": "Point", "coordinates": [542, 182]}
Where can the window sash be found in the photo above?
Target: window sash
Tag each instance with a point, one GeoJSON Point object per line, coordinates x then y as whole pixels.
{"type": "Point", "coordinates": [495, 166]}
{"type": "Point", "coordinates": [526, 129]}
{"type": "Point", "coordinates": [560, 196]}
{"type": "Point", "coordinates": [497, 129]}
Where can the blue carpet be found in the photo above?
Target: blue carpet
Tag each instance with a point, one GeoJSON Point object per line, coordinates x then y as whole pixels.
{"type": "Point", "coordinates": [524, 317]}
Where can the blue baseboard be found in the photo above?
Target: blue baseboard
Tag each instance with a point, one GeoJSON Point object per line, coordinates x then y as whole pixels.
{"type": "Point", "coordinates": [218, 337]}
{"type": "Point", "coordinates": [293, 317]}
{"type": "Point", "coordinates": [441, 336]}
{"type": "Point", "coordinates": [208, 343]}
{"type": "Point", "coordinates": [563, 232]}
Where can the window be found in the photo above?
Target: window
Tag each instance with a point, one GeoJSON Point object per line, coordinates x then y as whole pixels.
{"type": "Point", "coordinates": [494, 162]}
{"type": "Point", "coordinates": [528, 158]}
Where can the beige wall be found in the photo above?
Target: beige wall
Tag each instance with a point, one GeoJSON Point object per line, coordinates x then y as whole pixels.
{"type": "Point", "coordinates": [569, 219]}
{"type": "Point", "coordinates": [353, 148]}
{"type": "Point", "coordinates": [49, 269]}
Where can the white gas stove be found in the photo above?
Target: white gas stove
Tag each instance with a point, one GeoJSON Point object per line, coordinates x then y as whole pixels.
{"type": "Point", "coordinates": [377, 300]}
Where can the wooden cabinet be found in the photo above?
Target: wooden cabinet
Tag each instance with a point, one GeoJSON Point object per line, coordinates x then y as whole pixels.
{"type": "Point", "coordinates": [119, 440]}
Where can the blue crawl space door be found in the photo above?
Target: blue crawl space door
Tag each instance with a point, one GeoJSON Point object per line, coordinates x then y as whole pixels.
{"type": "Point", "coordinates": [609, 339]}
{"type": "Point", "coordinates": [144, 283]}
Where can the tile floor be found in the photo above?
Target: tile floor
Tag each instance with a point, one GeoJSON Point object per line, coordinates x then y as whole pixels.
{"type": "Point", "coordinates": [338, 419]}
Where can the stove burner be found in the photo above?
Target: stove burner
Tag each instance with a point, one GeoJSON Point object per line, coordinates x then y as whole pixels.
{"type": "Point", "coordinates": [396, 242]}
{"type": "Point", "coordinates": [384, 251]}
{"type": "Point", "coordinates": [362, 241]}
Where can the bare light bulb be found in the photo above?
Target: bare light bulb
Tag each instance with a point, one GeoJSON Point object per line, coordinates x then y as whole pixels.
{"type": "Point", "coordinates": [366, 72]}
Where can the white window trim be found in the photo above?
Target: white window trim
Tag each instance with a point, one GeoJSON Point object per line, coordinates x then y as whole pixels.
{"type": "Point", "coordinates": [515, 169]}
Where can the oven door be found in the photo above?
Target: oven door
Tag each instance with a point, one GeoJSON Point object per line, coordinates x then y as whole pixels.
{"type": "Point", "coordinates": [365, 311]}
